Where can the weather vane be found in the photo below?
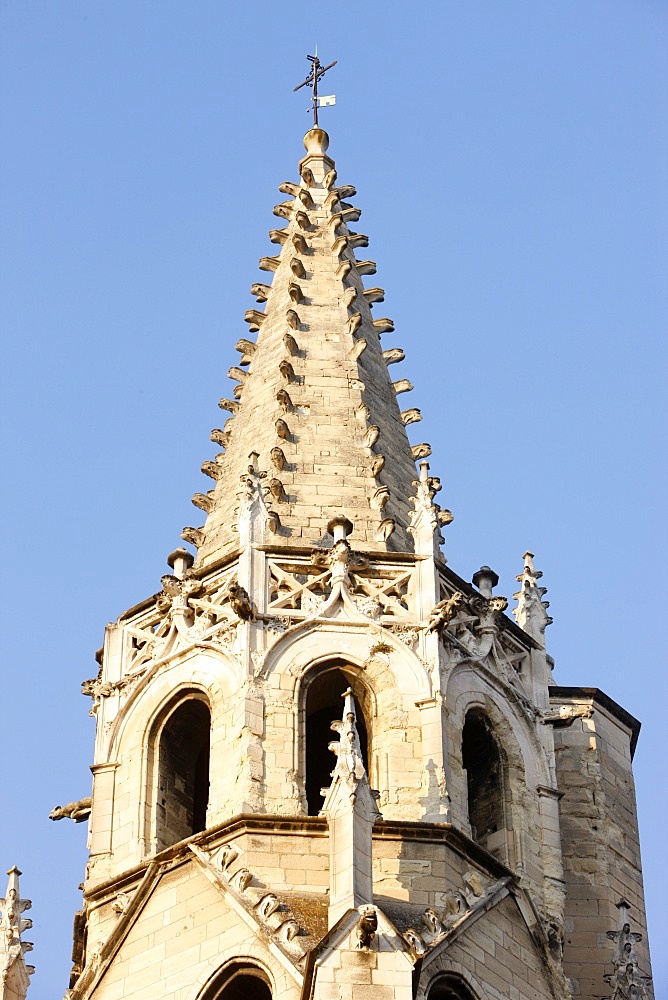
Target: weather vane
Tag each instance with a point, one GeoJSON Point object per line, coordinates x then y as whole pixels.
{"type": "Point", "coordinates": [317, 72]}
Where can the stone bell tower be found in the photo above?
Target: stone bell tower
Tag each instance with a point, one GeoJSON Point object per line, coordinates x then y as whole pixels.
{"type": "Point", "coordinates": [472, 827]}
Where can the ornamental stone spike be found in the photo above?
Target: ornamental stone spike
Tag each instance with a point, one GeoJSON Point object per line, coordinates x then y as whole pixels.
{"type": "Point", "coordinates": [531, 611]}
{"type": "Point", "coordinates": [14, 973]}
{"type": "Point", "coordinates": [330, 456]}
{"type": "Point", "coordinates": [351, 811]}
{"type": "Point", "coordinates": [348, 749]}
{"type": "Point", "coordinates": [627, 981]}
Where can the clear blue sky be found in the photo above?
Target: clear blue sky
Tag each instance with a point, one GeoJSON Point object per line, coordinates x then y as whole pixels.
{"type": "Point", "coordinates": [510, 160]}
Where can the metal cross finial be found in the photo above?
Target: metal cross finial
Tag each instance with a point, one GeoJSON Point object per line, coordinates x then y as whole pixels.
{"type": "Point", "coordinates": [317, 72]}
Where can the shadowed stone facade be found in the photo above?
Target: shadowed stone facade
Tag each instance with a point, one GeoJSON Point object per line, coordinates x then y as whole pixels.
{"type": "Point", "coordinates": [476, 827]}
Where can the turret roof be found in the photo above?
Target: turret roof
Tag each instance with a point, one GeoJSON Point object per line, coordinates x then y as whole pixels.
{"type": "Point", "coordinates": [315, 405]}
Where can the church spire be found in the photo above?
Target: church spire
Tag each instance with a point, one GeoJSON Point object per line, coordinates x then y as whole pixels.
{"type": "Point", "coordinates": [314, 399]}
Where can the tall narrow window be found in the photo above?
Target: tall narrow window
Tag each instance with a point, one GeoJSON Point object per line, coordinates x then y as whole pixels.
{"type": "Point", "coordinates": [482, 760]}
{"type": "Point", "coordinates": [324, 704]}
{"type": "Point", "coordinates": [183, 773]}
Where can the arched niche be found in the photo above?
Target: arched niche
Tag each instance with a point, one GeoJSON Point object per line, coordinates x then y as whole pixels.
{"type": "Point", "coordinates": [468, 689]}
{"type": "Point", "coordinates": [212, 673]}
{"type": "Point", "coordinates": [179, 760]}
{"type": "Point", "coordinates": [485, 764]}
{"type": "Point", "coordinates": [450, 986]}
{"type": "Point", "coordinates": [305, 644]}
{"type": "Point", "coordinates": [322, 703]}
{"type": "Point", "coordinates": [239, 981]}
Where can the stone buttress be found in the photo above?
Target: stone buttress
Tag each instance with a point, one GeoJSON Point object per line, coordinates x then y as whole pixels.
{"type": "Point", "coordinates": [231, 852]}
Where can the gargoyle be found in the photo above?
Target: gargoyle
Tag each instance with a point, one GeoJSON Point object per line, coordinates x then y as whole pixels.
{"type": "Point", "coordinates": [240, 602]}
{"type": "Point", "coordinates": [445, 611]}
{"type": "Point", "coordinates": [277, 491]}
{"type": "Point", "coordinates": [78, 811]}
{"type": "Point", "coordinates": [367, 925]}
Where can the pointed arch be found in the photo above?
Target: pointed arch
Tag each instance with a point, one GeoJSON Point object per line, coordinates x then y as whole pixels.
{"type": "Point", "coordinates": [500, 732]}
{"type": "Point", "coordinates": [307, 642]}
{"type": "Point", "coordinates": [450, 986]}
{"type": "Point", "coordinates": [395, 680]}
{"type": "Point", "coordinates": [239, 980]}
{"type": "Point", "coordinates": [211, 671]}
{"type": "Point", "coordinates": [469, 687]}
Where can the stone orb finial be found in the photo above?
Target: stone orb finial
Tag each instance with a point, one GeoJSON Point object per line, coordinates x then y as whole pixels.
{"type": "Point", "coordinates": [316, 141]}
{"type": "Point", "coordinates": [339, 527]}
{"type": "Point", "coordinates": [180, 560]}
{"type": "Point", "coordinates": [485, 580]}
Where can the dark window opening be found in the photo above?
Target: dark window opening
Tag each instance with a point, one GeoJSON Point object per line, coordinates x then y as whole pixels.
{"type": "Point", "coordinates": [183, 773]}
{"type": "Point", "coordinates": [324, 704]}
{"type": "Point", "coordinates": [450, 987]}
{"type": "Point", "coordinates": [240, 981]}
{"type": "Point", "coordinates": [484, 775]}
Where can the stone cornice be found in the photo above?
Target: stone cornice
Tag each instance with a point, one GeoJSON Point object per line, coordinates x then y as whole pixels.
{"type": "Point", "coordinates": [305, 826]}
{"type": "Point", "coordinates": [560, 693]}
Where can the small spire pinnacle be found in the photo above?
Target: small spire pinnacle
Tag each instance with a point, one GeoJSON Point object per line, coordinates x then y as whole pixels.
{"type": "Point", "coordinates": [626, 980]}
{"type": "Point", "coordinates": [316, 74]}
{"type": "Point", "coordinates": [351, 811]}
{"type": "Point", "coordinates": [14, 973]}
{"type": "Point", "coordinates": [531, 611]}
{"type": "Point", "coordinates": [348, 749]}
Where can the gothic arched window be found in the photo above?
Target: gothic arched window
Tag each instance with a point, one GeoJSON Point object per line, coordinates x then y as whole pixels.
{"type": "Point", "coordinates": [183, 772]}
{"type": "Point", "coordinates": [324, 704]}
{"type": "Point", "coordinates": [486, 781]}
{"type": "Point", "coordinates": [239, 981]}
{"type": "Point", "coordinates": [450, 986]}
